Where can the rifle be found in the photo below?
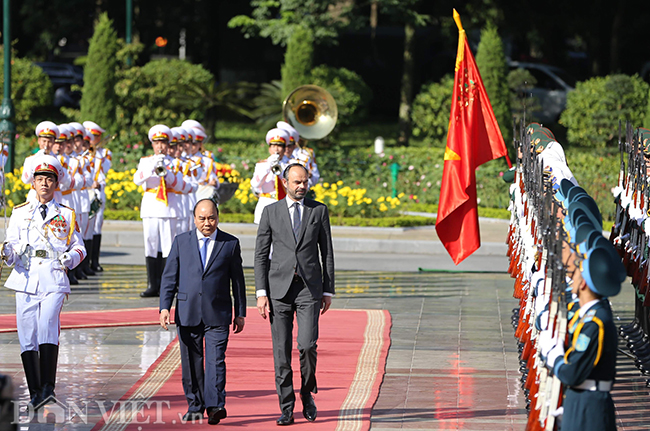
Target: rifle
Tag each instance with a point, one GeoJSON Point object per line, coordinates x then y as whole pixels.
{"type": "Point", "coordinates": [621, 186]}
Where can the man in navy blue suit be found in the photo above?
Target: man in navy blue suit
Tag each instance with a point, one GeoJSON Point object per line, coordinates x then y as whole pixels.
{"type": "Point", "coordinates": [199, 270]}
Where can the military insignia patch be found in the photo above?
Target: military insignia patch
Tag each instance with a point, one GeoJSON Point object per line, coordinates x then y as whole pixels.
{"type": "Point", "coordinates": [582, 343]}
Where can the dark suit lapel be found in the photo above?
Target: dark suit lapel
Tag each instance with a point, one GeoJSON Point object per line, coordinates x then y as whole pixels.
{"type": "Point", "coordinates": [218, 245]}
{"type": "Point", "coordinates": [304, 220]}
{"type": "Point", "coordinates": [194, 249]}
{"type": "Point", "coordinates": [285, 216]}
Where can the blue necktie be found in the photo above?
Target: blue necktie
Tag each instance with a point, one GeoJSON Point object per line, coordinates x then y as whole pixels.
{"type": "Point", "coordinates": [204, 250]}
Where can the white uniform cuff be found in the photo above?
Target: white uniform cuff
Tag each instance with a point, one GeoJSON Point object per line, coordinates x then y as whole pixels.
{"type": "Point", "coordinates": [260, 292]}
{"type": "Point", "coordinates": [327, 294]}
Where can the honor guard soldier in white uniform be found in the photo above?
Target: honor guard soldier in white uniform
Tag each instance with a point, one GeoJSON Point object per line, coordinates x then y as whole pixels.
{"type": "Point", "coordinates": [43, 241]}
{"type": "Point", "coordinates": [66, 134]}
{"type": "Point", "coordinates": [87, 197]}
{"type": "Point", "coordinates": [155, 174]}
{"type": "Point", "coordinates": [297, 154]}
{"type": "Point", "coordinates": [266, 182]}
{"type": "Point", "coordinates": [101, 164]}
{"type": "Point", "coordinates": [46, 132]}
{"type": "Point", "coordinates": [183, 165]}
{"type": "Point", "coordinates": [192, 171]}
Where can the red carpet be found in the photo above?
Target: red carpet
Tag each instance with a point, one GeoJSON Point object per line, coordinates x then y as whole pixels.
{"type": "Point", "coordinates": [95, 319]}
{"type": "Point", "coordinates": [352, 352]}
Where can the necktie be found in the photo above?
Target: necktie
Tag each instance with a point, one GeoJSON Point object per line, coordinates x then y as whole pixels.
{"type": "Point", "coordinates": [44, 211]}
{"type": "Point", "coordinates": [204, 251]}
{"type": "Point", "coordinates": [296, 220]}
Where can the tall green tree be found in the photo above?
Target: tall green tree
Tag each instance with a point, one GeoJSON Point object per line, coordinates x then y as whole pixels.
{"type": "Point", "coordinates": [277, 19]}
{"type": "Point", "coordinates": [406, 12]}
{"type": "Point", "coordinates": [491, 62]}
{"type": "Point", "coordinates": [298, 60]}
{"type": "Point", "coordinates": [98, 96]}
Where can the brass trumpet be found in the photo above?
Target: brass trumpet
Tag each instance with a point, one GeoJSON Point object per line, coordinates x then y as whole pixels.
{"type": "Point", "coordinates": [160, 168]}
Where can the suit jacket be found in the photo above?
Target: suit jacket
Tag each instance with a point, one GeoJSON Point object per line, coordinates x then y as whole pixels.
{"type": "Point", "coordinates": [292, 256]}
{"type": "Point", "coordinates": [204, 295]}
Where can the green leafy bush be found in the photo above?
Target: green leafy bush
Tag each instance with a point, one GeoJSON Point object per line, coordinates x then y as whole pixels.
{"type": "Point", "coordinates": [596, 106]}
{"type": "Point", "coordinates": [431, 109]}
{"type": "Point", "coordinates": [98, 95]}
{"type": "Point", "coordinates": [31, 89]}
{"type": "Point", "coordinates": [351, 93]}
{"type": "Point", "coordinates": [152, 94]}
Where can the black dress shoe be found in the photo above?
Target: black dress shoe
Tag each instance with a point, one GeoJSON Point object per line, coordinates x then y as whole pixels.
{"type": "Point", "coordinates": [309, 410]}
{"type": "Point", "coordinates": [149, 294]}
{"type": "Point", "coordinates": [215, 414]}
{"type": "Point", "coordinates": [192, 416]}
{"type": "Point", "coordinates": [286, 418]}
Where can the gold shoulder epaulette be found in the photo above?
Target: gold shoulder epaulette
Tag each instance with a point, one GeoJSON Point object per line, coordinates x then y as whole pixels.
{"type": "Point", "coordinates": [21, 205]}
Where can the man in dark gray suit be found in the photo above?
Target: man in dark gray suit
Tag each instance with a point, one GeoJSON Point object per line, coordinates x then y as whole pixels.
{"type": "Point", "coordinates": [199, 270]}
{"type": "Point", "coordinates": [292, 280]}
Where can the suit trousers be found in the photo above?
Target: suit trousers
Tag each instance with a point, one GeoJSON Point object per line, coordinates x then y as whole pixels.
{"type": "Point", "coordinates": [207, 388]}
{"type": "Point", "coordinates": [38, 318]}
{"type": "Point", "coordinates": [300, 301]}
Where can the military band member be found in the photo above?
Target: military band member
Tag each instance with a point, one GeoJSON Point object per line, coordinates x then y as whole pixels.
{"type": "Point", "coordinates": [88, 194]}
{"type": "Point", "coordinates": [192, 170]}
{"type": "Point", "coordinates": [101, 164]}
{"type": "Point", "coordinates": [266, 182]}
{"type": "Point", "coordinates": [296, 153]}
{"type": "Point", "coordinates": [156, 175]}
{"type": "Point", "coordinates": [43, 241]}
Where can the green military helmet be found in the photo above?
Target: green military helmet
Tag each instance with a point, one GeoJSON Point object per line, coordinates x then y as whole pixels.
{"type": "Point", "coordinates": [533, 127]}
{"type": "Point", "coordinates": [602, 270]}
{"type": "Point", "coordinates": [548, 133]}
{"type": "Point", "coordinates": [644, 136]}
{"type": "Point", "coordinates": [509, 175]}
{"type": "Point", "coordinates": [540, 140]}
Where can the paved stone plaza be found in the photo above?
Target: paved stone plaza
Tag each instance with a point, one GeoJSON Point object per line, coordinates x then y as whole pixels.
{"type": "Point", "coordinates": [452, 362]}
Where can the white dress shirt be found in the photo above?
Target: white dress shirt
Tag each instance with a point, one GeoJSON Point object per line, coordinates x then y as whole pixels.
{"type": "Point", "coordinates": [212, 237]}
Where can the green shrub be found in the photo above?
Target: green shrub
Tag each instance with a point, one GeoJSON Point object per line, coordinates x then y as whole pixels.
{"type": "Point", "coordinates": [297, 59]}
{"type": "Point", "coordinates": [596, 106]}
{"type": "Point", "coordinates": [31, 89]}
{"type": "Point", "coordinates": [149, 95]}
{"type": "Point", "coordinates": [491, 62]}
{"type": "Point", "coordinates": [98, 96]}
{"type": "Point", "coordinates": [351, 93]}
{"type": "Point", "coordinates": [431, 109]}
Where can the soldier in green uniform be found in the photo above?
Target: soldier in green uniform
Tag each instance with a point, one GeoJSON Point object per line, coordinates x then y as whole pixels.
{"type": "Point", "coordinates": [587, 364]}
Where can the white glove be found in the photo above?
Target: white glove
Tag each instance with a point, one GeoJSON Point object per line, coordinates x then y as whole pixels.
{"type": "Point", "coordinates": [273, 158]}
{"type": "Point", "coordinates": [556, 352]}
{"type": "Point", "coordinates": [546, 342]}
{"type": "Point", "coordinates": [7, 250]}
{"type": "Point", "coordinates": [65, 259]}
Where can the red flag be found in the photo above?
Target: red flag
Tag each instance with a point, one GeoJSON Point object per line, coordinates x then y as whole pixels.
{"type": "Point", "coordinates": [473, 139]}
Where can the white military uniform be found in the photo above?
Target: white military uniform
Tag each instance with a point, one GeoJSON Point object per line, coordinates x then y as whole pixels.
{"type": "Point", "coordinates": [158, 216]}
{"type": "Point", "coordinates": [41, 250]}
{"type": "Point", "coordinates": [304, 156]}
{"type": "Point", "coordinates": [266, 185]}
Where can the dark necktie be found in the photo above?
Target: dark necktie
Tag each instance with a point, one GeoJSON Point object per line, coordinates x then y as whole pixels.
{"type": "Point", "coordinates": [44, 211]}
{"type": "Point", "coordinates": [296, 220]}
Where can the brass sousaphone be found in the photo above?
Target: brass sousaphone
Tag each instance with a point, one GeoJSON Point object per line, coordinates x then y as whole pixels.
{"type": "Point", "coordinates": [311, 110]}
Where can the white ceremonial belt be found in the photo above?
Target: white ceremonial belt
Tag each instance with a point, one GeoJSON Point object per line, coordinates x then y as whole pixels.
{"type": "Point", "coordinates": [595, 385]}
{"type": "Point", "coordinates": [43, 254]}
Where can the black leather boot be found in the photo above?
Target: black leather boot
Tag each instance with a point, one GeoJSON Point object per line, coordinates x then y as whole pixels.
{"type": "Point", "coordinates": [152, 274]}
{"type": "Point", "coordinates": [94, 261]}
{"type": "Point", "coordinates": [49, 355]}
{"type": "Point", "coordinates": [32, 368]}
{"type": "Point", "coordinates": [85, 264]}
{"type": "Point", "coordinates": [73, 280]}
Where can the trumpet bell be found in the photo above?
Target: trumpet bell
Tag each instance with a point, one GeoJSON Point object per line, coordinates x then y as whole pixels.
{"type": "Point", "coordinates": [311, 110]}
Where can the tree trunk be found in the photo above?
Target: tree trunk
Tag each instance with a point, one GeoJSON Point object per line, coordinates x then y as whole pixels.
{"type": "Point", "coordinates": [406, 92]}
